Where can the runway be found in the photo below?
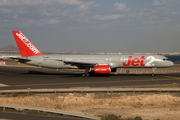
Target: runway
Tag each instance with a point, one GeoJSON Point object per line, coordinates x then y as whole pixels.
{"type": "Point", "coordinates": [38, 78]}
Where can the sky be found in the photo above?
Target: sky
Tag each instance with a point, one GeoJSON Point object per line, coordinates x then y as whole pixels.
{"type": "Point", "coordinates": [93, 25]}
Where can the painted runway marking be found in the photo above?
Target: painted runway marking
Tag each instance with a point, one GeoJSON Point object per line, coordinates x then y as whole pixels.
{"type": "Point", "coordinates": [3, 85]}
{"type": "Point", "coordinates": [89, 82]}
{"type": "Point", "coordinates": [172, 77]}
{"type": "Point", "coordinates": [5, 119]}
{"type": "Point", "coordinates": [77, 72]}
{"type": "Point", "coordinates": [6, 73]}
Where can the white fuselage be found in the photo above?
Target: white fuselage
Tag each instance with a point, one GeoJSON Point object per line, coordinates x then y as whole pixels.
{"type": "Point", "coordinates": [115, 61]}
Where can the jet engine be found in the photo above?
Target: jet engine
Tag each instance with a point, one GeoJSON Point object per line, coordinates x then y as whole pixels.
{"type": "Point", "coordinates": [102, 69]}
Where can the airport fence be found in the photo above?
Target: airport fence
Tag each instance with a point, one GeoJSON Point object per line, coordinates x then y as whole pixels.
{"type": "Point", "coordinates": [146, 71]}
{"type": "Point", "coordinates": [81, 90]}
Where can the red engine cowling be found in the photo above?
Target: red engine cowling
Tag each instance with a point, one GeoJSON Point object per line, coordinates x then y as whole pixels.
{"type": "Point", "coordinates": [102, 69]}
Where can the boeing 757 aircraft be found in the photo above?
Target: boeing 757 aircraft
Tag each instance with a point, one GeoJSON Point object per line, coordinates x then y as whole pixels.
{"type": "Point", "coordinates": [98, 64]}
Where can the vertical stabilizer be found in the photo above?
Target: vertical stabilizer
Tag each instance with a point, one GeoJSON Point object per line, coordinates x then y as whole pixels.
{"type": "Point", "coordinates": [26, 48]}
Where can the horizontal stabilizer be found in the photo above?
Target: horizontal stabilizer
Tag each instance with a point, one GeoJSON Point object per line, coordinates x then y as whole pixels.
{"type": "Point", "coordinates": [21, 60]}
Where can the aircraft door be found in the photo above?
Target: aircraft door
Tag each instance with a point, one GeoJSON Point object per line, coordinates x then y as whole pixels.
{"type": "Point", "coordinates": [40, 60]}
{"type": "Point", "coordinates": [123, 59]}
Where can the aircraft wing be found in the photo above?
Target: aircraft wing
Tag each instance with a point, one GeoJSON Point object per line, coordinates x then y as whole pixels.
{"type": "Point", "coordinates": [80, 64]}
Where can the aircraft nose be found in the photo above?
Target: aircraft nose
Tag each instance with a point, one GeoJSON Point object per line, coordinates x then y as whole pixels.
{"type": "Point", "coordinates": [171, 63]}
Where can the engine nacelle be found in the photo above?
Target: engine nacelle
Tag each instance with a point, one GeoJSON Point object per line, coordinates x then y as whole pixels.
{"type": "Point", "coordinates": [102, 69]}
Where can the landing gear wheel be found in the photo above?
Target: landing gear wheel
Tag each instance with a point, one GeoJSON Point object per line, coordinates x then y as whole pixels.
{"type": "Point", "coordinates": [87, 75]}
{"type": "Point", "coordinates": [152, 74]}
{"type": "Point", "coordinates": [83, 74]}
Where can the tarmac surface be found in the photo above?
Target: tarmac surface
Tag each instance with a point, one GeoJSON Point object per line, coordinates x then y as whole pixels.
{"type": "Point", "coordinates": [41, 78]}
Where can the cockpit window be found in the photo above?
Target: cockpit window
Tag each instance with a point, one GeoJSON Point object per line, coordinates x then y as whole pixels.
{"type": "Point", "coordinates": [165, 59]}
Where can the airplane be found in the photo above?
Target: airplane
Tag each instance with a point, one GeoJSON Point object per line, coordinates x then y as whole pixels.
{"type": "Point", "coordinates": [96, 64]}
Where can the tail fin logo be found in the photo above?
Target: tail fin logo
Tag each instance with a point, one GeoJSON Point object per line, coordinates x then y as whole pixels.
{"type": "Point", "coordinates": [26, 48]}
{"type": "Point", "coordinates": [27, 43]}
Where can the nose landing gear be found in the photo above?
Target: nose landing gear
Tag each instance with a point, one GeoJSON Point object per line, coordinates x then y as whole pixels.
{"type": "Point", "coordinates": [153, 72]}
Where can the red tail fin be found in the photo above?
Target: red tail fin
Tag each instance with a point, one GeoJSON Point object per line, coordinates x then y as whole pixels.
{"type": "Point", "coordinates": [26, 48]}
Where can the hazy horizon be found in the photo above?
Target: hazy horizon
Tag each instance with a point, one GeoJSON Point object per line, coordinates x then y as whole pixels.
{"type": "Point", "coordinates": [93, 26]}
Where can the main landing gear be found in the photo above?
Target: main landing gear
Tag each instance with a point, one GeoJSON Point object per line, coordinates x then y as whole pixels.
{"type": "Point", "coordinates": [86, 74]}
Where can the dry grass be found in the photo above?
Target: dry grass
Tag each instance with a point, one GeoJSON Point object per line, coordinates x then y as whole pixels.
{"type": "Point", "coordinates": [61, 101]}
{"type": "Point", "coordinates": [104, 103]}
